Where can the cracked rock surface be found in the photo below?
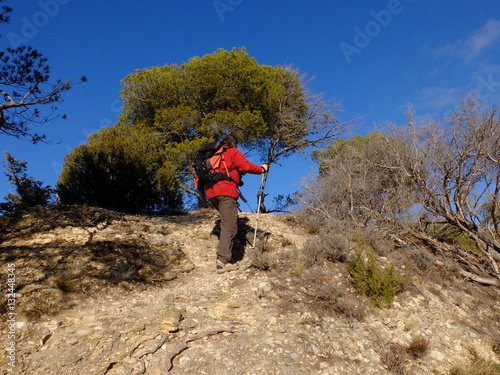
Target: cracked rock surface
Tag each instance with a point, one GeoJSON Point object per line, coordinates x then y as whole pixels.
{"type": "Point", "coordinates": [105, 293]}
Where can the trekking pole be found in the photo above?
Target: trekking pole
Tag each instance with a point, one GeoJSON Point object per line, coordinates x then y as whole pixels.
{"type": "Point", "coordinates": [260, 193]}
{"type": "Point", "coordinates": [244, 200]}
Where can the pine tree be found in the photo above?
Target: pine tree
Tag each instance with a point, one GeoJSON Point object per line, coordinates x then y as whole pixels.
{"type": "Point", "coordinates": [29, 193]}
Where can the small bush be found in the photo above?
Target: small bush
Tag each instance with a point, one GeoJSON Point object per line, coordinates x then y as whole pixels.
{"type": "Point", "coordinates": [298, 268]}
{"type": "Point", "coordinates": [380, 284]}
{"type": "Point", "coordinates": [260, 260]}
{"type": "Point", "coordinates": [66, 285]}
{"type": "Point", "coordinates": [382, 246]}
{"type": "Point", "coordinates": [328, 301]}
{"type": "Point", "coordinates": [394, 358]}
{"type": "Point", "coordinates": [316, 290]}
{"type": "Point", "coordinates": [29, 193]}
{"type": "Point", "coordinates": [352, 309]}
{"type": "Point", "coordinates": [418, 347]}
{"type": "Point", "coordinates": [332, 247]}
{"type": "Point", "coordinates": [422, 259]}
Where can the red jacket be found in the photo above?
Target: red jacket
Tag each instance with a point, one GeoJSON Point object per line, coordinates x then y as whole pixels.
{"type": "Point", "coordinates": [237, 164]}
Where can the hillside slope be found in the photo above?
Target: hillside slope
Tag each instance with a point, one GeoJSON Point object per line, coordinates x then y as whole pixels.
{"type": "Point", "coordinates": [99, 292]}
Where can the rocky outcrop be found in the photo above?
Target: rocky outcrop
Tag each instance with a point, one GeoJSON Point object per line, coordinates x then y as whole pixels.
{"type": "Point", "coordinates": [104, 293]}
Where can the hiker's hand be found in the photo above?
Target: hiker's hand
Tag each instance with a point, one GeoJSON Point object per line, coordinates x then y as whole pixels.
{"type": "Point", "coordinates": [264, 168]}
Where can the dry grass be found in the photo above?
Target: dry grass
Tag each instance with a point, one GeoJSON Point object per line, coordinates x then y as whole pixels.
{"type": "Point", "coordinates": [478, 366]}
{"type": "Point", "coordinates": [260, 260]}
{"type": "Point", "coordinates": [418, 347]}
{"type": "Point", "coordinates": [330, 246]}
{"type": "Point", "coordinates": [395, 358]}
{"type": "Point", "coordinates": [317, 290]}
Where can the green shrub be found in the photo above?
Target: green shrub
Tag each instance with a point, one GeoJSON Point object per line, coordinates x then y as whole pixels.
{"type": "Point", "coordinates": [120, 170]}
{"type": "Point", "coordinates": [66, 285]}
{"type": "Point", "coordinates": [380, 284]}
{"type": "Point", "coordinates": [452, 235]}
{"type": "Point", "coordinates": [29, 193]}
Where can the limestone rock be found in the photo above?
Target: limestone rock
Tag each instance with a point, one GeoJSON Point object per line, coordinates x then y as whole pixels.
{"type": "Point", "coordinates": [108, 293]}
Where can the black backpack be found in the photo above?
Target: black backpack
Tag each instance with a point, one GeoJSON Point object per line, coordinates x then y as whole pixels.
{"type": "Point", "coordinates": [207, 162]}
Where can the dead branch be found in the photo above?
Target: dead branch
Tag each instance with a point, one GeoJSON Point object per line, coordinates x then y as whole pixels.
{"type": "Point", "coordinates": [462, 255]}
{"type": "Point", "coordinates": [479, 279]}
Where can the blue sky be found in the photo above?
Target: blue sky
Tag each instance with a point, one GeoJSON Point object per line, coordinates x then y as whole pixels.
{"type": "Point", "coordinates": [373, 56]}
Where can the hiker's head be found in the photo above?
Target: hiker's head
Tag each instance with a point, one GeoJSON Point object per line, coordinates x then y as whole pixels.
{"type": "Point", "coordinates": [230, 140]}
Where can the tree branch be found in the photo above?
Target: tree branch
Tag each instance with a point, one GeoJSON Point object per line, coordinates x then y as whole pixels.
{"type": "Point", "coordinates": [480, 279]}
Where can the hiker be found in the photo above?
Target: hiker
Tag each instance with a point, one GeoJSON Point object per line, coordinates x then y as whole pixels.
{"type": "Point", "coordinates": [224, 195]}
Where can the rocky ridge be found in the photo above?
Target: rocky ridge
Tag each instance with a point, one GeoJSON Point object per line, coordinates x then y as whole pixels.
{"type": "Point", "coordinates": [104, 293]}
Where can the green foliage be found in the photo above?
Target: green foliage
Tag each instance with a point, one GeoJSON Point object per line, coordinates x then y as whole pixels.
{"type": "Point", "coordinates": [124, 171]}
{"type": "Point", "coordinates": [223, 92]}
{"type": "Point", "coordinates": [184, 106]}
{"type": "Point", "coordinates": [283, 203]}
{"type": "Point", "coordinates": [216, 94]}
{"type": "Point", "coordinates": [29, 193]}
{"type": "Point", "coordinates": [380, 284]}
{"type": "Point", "coordinates": [452, 235]}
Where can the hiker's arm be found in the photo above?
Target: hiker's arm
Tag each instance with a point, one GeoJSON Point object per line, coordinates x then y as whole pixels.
{"type": "Point", "coordinates": [244, 166]}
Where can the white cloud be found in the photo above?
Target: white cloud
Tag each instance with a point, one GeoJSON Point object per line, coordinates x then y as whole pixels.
{"type": "Point", "coordinates": [475, 45]}
{"type": "Point", "coordinates": [488, 35]}
{"type": "Point", "coordinates": [437, 97]}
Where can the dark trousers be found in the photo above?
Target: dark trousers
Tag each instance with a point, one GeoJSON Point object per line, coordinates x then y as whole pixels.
{"type": "Point", "coordinates": [228, 211]}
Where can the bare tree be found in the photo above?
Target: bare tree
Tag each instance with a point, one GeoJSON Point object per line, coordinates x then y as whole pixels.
{"type": "Point", "coordinates": [443, 173]}
{"type": "Point", "coordinates": [303, 120]}
{"type": "Point", "coordinates": [360, 185]}
{"type": "Point", "coordinates": [456, 170]}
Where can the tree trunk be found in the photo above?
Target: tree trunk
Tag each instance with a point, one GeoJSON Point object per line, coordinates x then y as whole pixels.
{"type": "Point", "coordinates": [260, 193]}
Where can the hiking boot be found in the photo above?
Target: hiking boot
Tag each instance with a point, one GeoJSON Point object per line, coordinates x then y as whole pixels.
{"type": "Point", "coordinates": [226, 267]}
